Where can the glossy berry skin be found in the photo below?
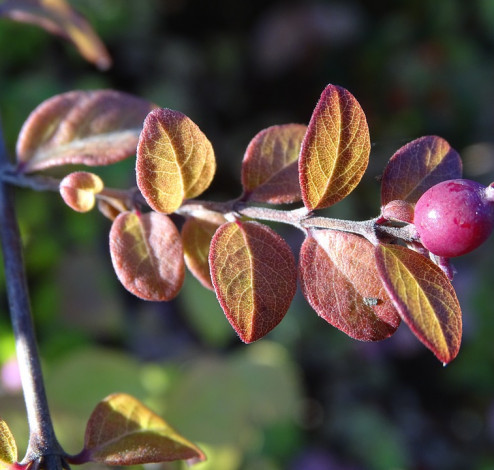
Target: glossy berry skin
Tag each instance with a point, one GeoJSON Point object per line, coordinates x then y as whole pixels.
{"type": "Point", "coordinates": [454, 217]}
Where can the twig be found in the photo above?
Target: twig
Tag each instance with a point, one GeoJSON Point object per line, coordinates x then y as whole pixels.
{"type": "Point", "coordinates": [43, 448]}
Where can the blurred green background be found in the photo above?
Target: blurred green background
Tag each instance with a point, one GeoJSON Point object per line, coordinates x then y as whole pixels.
{"type": "Point", "coordinates": [305, 397]}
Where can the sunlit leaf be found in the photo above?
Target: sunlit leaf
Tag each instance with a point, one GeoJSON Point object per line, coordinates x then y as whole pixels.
{"type": "Point", "coordinates": [339, 279]}
{"type": "Point", "coordinates": [122, 431]}
{"type": "Point", "coordinates": [424, 297]}
{"type": "Point", "coordinates": [417, 166]}
{"type": "Point", "coordinates": [58, 17]}
{"type": "Point", "coordinates": [78, 189]}
{"type": "Point", "coordinates": [335, 150]}
{"type": "Point", "coordinates": [270, 165]}
{"type": "Point", "coordinates": [147, 255]}
{"type": "Point", "coordinates": [175, 160]}
{"type": "Point", "coordinates": [8, 447]}
{"type": "Point", "coordinates": [254, 277]}
{"type": "Point", "coordinates": [196, 238]}
{"type": "Point", "coordinates": [111, 208]}
{"type": "Point", "coordinates": [81, 127]}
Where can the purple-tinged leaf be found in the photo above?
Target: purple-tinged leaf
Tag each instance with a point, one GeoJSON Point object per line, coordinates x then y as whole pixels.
{"type": "Point", "coordinates": [122, 431]}
{"type": "Point", "coordinates": [424, 298]}
{"type": "Point", "coordinates": [81, 127]}
{"type": "Point", "coordinates": [270, 165]}
{"type": "Point", "coordinates": [335, 150]}
{"type": "Point", "coordinates": [417, 166]}
{"type": "Point", "coordinates": [58, 17]}
{"type": "Point", "coordinates": [340, 281]}
{"type": "Point", "coordinates": [147, 255]}
{"type": "Point", "coordinates": [254, 276]}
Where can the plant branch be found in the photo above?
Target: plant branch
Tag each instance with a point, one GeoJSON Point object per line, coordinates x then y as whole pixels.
{"type": "Point", "coordinates": [373, 229]}
{"type": "Point", "coordinates": [43, 448]}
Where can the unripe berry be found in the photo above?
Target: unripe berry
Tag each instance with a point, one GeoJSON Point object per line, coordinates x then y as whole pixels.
{"type": "Point", "coordinates": [454, 217]}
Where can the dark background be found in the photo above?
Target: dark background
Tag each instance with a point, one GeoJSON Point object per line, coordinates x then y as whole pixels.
{"type": "Point", "coordinates": [305, 397]}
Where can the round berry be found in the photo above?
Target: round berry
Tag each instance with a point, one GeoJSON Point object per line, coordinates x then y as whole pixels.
{"type": "Point", "coordinates": [454, 217]}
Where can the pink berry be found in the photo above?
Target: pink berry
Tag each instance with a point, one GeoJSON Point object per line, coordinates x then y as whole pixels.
{"type": "Point", "coordinates": [454, 217]}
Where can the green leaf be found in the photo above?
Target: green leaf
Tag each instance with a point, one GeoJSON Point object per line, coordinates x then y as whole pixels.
{"type": "Point", "coordinates": [78, 189]}
{"type": "Point", "coordinates": [175, 160]}
{"type": "Point", "coordinates": [254, 276]}
{"type": "Point", "coordinates": [340, 281]}
{"type": "Point", "coordinates": [81, 127]}
{"type": "Point", "coordinates": [335, 150]}
{"type": "Point", "coordinates": [147, 255]}
{"type": "Point", "coordinates": [58, 17]}
{"type": "Point", "coordinates": [416, 167]}
{"type": "Point", "coordinates": [8, 447]}
{"type": "Point", "coordinates": [122, 431]}
{"type": "Point", "coordinates": [270, 165]}
{"type": "Point", "coordinates": [424, 298]}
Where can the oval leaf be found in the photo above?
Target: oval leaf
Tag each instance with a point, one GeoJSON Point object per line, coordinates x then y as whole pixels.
{"type": "Point", "coordinates": [81, 127]}
{"type": "Point", "coordinates": [122, 431]}
{"type": "Point", "coordinates": [78, 189]}
{"type": "Point", "coordinates": [254, 276]}
{"type": "Point", "coordinates": [335, 150]}
{"type": "Point", "coordinates": [196, 238]}
{"type": "Point", "coordinates": [424, 297]}
{"type": "Point", "coordinates": [270, 165]}
{"type": "Point", "coordinates": [8, 447]}
{"type": "Point", "coordinates": [340, 281]}
{"type": "Point", "coordinates": [147, 255]}
{"type": "Point", "coordinates": [175, 160]}
{"type": "Point", "coordinates": [417, 166]}
{"type": "Point", "coordinates": [58, 17]}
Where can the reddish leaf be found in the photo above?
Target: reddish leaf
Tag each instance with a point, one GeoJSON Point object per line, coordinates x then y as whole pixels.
{"type": "Point", "coordinates": [339, 279]}
{"type": "Point", "coordinates": [424, 297]}
{"type": "Point", "coordinates": [270, 165]}
{"type": "Point", "coordinates": [8, 447]}
{"type": "Point", "coordinates": [58, 17]}
{"type": "Point", "coordinates": [147, 255]}
{"type": "Point", "coordinates": [81, 127]}
{"type": "Point", "coordinates": [417, 166]}
{"type": "Point", "coordinates": [398, 211]}
{"type": "Point", "coordinates": [254, 276]}
{"type": "Point", "coordinates": [196, 238]}
{"type": "Point", "coordinates": [122, 431]}
{"type": "Point", "coordinates": [335, 150]}
{"type": "Point", "coordinates": [175, 160]}
{"type": "Point", "coordinates": [78, 189]}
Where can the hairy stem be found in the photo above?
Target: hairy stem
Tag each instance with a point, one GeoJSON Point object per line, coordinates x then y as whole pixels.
{"type": "Point", "coordinates": [43, 446]}
{"type": "Point", "coordinates": [373, 229]}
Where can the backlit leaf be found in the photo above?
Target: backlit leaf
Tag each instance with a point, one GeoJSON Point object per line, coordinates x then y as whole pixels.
{"type": "Point", "coordinates": [339, 279]}
{"type": "Point", "coordinates": [417, 166]}
{"type": "Point", "coordinates": [81, 127]}
{"type": "Point", "coordinates": [424, 297]}
{"type": "Point", "coordinates": [58, 17]}
{"type": "Point", "coordinates": [270, 165]}
{"type": "Point", "coordinates": [335, 150]}
{"type": "Point", "coordinates": [8, 447]}
{"type": "Point", "coordinates": [78, 189]}
{"type": "Point", "coordinates": [196, 238]}
{"type": "Point", "coordinates": [175, 160]}
{"type": "Point", "coordinates": [122, 431]}
{"type": "Point", "coordinates": [254, 276]}
{"type": "Point", "coordinates": [147, 255]}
